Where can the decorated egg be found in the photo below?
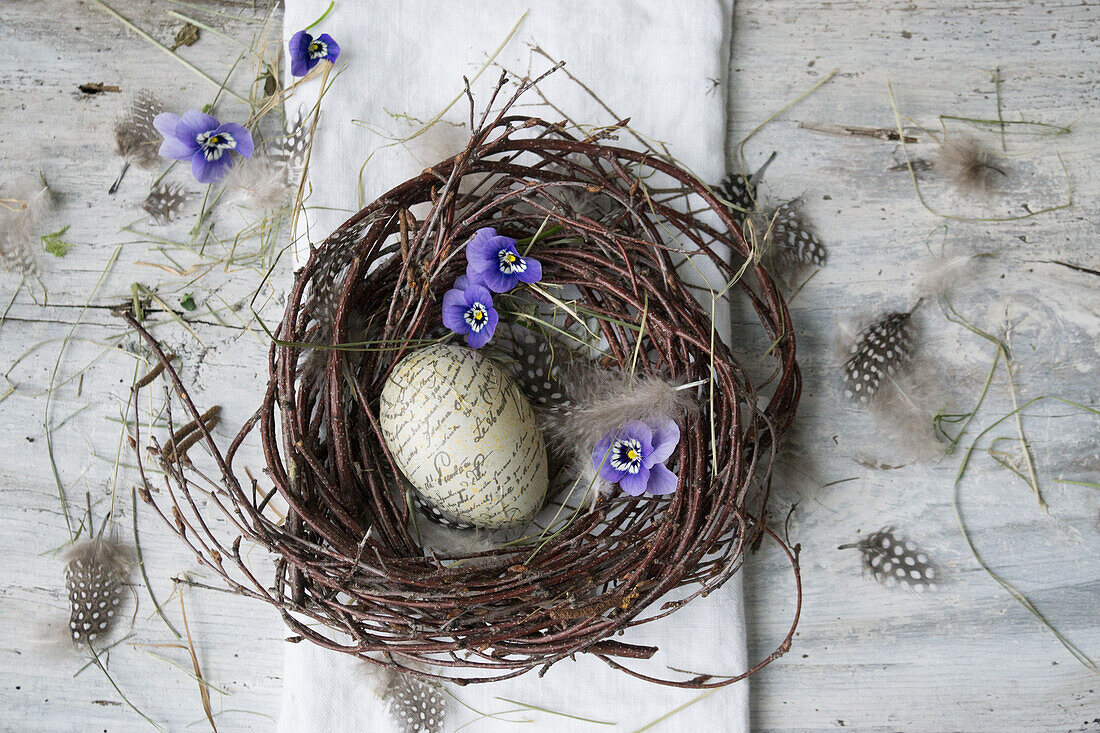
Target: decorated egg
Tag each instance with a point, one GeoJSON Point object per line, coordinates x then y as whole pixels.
{"type": "Point", "coordinates": [464, 436]}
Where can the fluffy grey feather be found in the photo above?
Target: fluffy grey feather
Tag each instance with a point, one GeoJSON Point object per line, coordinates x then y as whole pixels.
{"type": "Point", "coordinates": [95, 576]}
{"type": "Point", "coordinates": [22, 210]}
{"type": "Point", "coordinates": [264, 182]}
{"type": "Point", "coordinates": [602, 401]}
{"type": "Point", "coordinates": [892, 559]}
{"type": "Point", "coordinates": [136, 139]}
{"type": "Point", "coordinates": [971, 166]}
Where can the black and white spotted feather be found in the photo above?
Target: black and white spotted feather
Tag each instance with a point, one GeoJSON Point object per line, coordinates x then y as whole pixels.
{"type": "Point", "coordinates": [165, 202]}
{"type": "Point", "coordinates": [740, 190]}
{"type": "Point", "coordinates": [431, 512]}
{"type": "Point", "coordinates": [291, 148]}
{"type": "Point", "coordinates": [416, 705]}
{"type": "Point", "coordinates": [879, 351]}
{"type": "Point", "coordinates": [537, 368]}
{"type": "Point", "coordinates": [892, 559]}
{"type": "Point", "coordinates": [136, 139]}
{"type": "Point", "coordinates": [95, 577]}
{"type": "Point", "coordinates": [790, 239]}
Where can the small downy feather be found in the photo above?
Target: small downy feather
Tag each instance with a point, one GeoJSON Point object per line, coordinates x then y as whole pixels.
{"type": "Point", "coordinates": [136, 139]}
{"type": "Point", "coordinates": [602, 401]}
{"type": "Point", "coordinates": [22, 210]}
{"type": "Point", "coordinates": [164, 202]}
{"type": "Point", "coordinates": [741, 190]}
{"type": "Point", "coordinates": [416, 705]}
{"type": "Point", "coordinates": [264, 183]}
{"type": "Point", "coordinates": [891, 559]}
{"type": "Point", "coordinates": [880, 351]}
{"type": "Point", "coordinates": [95, 577]}
{"type": "Point", "coordinates": [599, 402]}
{"type": "Point", "coordinates": [971, 166]}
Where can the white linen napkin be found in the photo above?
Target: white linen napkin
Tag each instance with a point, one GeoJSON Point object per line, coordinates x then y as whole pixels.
{"type": "Point", "coordinates": [664, 65]}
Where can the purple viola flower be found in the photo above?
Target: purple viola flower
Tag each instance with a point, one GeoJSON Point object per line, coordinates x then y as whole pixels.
{"type": "Point", "coordinates": [204, 141]}
{"type": "Point", "coordinates": [634, 457]}
{"type": "Point", "coordinates": [307, 51]}
{"type": "Point", "coordinates": [493, 261]}
{"type": "Point", "coordinates": [470, 311]}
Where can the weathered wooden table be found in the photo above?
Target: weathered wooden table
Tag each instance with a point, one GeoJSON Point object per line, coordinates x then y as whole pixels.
{"type": "Point", "coordinates": [867, 657]}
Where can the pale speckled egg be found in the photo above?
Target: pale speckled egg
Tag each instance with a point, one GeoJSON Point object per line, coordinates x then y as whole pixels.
{"type": "Point", "coordinates": [465, 437]}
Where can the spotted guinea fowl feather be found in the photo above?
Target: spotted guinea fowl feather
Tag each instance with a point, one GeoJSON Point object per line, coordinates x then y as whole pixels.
{"type": "Point", "coordinates": [892, 559]}
{"type": "Point", "coordinates": [95, 577]}
{"type": "Point", "coordinates": [879, 351]}
{"type": "Point", "coordinates": [792, 239]}
{"type": "Point", "coordinates": [136, 139]}
{"type": "Point", "coordinates": [739, 189]}
{"type": "Point", "coordinates": [164, 202]}
{"type": "Point", "coordinates": [416, 705]}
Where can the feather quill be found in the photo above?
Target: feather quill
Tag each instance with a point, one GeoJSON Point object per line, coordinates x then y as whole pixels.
{"type": "Point", "coordinates": [891, 559]}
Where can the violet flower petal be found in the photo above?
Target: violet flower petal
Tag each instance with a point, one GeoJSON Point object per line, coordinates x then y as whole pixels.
{"type": "Point", "coordinates": [661, 481]}
{"type": "Point", "coordinates": [454, 306]}
{"type": "Point", "coordinates": [534, 271]}
{"type": "Point", "coordinates": [166, 123]}
{"type": "Point", "coordinates": [193, 123]}
{"type": "Point", "coordinates": [240, 135]}
{"type": "Point", "coordinates": [635, 483]}
{"type": "Point", "coordinates": [640, 432]}
{"type": "Point", "coordinates": [601, 461]}
{"type": "Point", "coordinates": [666, 437]}
{"type": "Point", "coordinates": [299, 53]}
{"type": "Point", "coordinates": [176, 149]}
{"type": "Point", "coordinates": [332, 46]}
{"type": "Point", "coordinates": [494, 279]}
{"type": "Point", "coordinates": [208, 171]}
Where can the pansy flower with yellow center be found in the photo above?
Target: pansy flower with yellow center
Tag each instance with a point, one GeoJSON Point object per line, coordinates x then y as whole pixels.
{"type": "Point", "coordinates": [307, 51]}
{"type": "Point", "coordinates": [492, 260]}
{"type": "Point", "coordinates": [634, 457]}
{"type": "Point", "coordinates": [204, 141]}
{"type": "Point", "coordinates": [468, 310]}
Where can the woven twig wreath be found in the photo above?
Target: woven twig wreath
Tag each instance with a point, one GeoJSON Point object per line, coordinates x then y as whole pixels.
{"type": "Point", "coordinates": [350, 575]}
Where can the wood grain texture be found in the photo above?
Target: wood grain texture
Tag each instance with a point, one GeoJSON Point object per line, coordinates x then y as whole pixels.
{"type": "Point", "coordinates": [869, 658]}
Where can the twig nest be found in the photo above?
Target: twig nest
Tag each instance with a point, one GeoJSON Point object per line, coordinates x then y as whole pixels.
{"type": "Point", "coordinates": [464, 436]}
{"type": "Point", "coordinates": [617, 231]}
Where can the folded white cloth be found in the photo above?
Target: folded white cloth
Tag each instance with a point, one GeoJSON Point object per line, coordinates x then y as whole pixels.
{"type": "Point", "coordinates": [402, 61]}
